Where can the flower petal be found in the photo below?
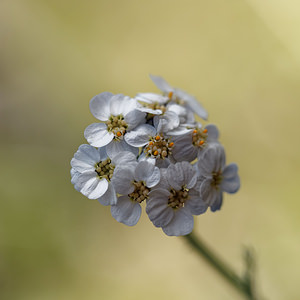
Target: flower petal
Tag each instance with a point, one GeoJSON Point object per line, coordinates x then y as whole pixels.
{"type": "Point", "coordinates": [230, 171]}
{"type": "Point", "coordinates": [85, 158]}
{"type": "Point", "coordinates": [183, 149]}
{"type": "Point", "coordinates": [208, 193]}
{"type": "Point", "coordinates": [161, 84]}
{"type": "Point", "coordinates": [140, 136]}
{"type": "Point", "coordinates": [195, 204]}
{"type": "Point", "coordinates": [122, 105]}
{"type": "Point", "coordinates": [212, 133]}
{"type": "Point", "coordinates": [147, 172]}
{"type": "Point", "coordinates": [126, 211]}
{"type": "Point", "coordinates": [74, 178]}
{"type": "Point", "coordinates": [109, 197]}
{"type": "Point", "coordinates": [166, 122]}
{"type": "Point", "coordinates": [91, 186]}
{"type": "Point", "coordinates": [157, 208]}
{"type": "Point", "coordinates": [181, 224]}
{"type": "Point", "coordinates": [151, 98]}
{"type": "Point", "coordinates": [100, 106]}
{"type": "Point", "coordinates": [180, 174]}
{"type": "Point", "coordinates": [123, 157]}
{"type": "Point", "coordinates": [135, 118]}
{"type": "Point", "coordinates": [211, 159]}
{"type": "Point", "coordinates": [97, 135]}
{"type": "Point", "coordinates": [218, 203]}
{"type": "Point", "coordinates": [115, 147]}
{"type": "Point", "coordinates": [192, 103]}
{"type": "Point", "coordinates": [231, 185]}
{"type": "Point", "coordinates": [122, 179]}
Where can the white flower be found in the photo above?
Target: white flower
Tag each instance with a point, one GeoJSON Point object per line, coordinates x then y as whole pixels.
{"type": "Point", "coordinates": [193, 140]}
{"type": "Point", "coordinates": [175, 200]}
{"type": "Point", "coordinates": [179, 96]}
{"type": "Point", "coordinates": [214, 177]}
{"type": "Point", "coordinates": [120, 115]}
{"type": "Point", "coordinates": [92, 172]}
{"type": "Point", "coordinates": [165, 116]}
{"type": "Point", "coordinates": [157, 146]}
{"type": "Point", "coordinates": [134, 182]}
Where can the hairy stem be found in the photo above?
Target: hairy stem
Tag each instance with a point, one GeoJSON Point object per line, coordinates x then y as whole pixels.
{"type": "Point", "coordinates": [242, 285]}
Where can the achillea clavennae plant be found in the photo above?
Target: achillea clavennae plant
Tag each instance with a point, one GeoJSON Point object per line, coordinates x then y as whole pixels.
{"type": "Point", "coordinates": [150, 149]}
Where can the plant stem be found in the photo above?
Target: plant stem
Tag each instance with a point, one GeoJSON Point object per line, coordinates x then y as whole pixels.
{"type": "Point", "coordinates": [240, 284]}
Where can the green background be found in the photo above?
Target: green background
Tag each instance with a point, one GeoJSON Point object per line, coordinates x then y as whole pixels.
{"type": "Point", "coordinates": [239, 58]}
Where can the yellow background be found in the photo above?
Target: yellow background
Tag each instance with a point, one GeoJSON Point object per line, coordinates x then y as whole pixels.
{"type": "Point", "coordinates": [239, 58]}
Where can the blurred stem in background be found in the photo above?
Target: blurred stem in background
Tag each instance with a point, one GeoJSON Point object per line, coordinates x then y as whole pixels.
{"type": "Point", "coordinates": [244, 284]}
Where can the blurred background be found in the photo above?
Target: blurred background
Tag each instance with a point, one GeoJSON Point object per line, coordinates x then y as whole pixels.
{"type": "Point", "coordinates": [239, 58]}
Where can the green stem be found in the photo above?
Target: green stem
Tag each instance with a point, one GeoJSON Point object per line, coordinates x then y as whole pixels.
{"type": "Point", "coordinates": [240, 284]}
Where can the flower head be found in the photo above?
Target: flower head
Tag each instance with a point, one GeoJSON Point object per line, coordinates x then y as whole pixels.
{"type": "Point", "coordinates": [193, 140]}
{"type": "Point", "coordinates": [175, 200]}
{"type": "Point", "coordinates": [149, 149]}
{"type": "Point", "coordinates": [179, 96]}
{"type": "Point", "coordinates": [119, 115]}
{"type": "Point", "coordinates": [214, 176]}
{"type": "Point", "coordinates": [93, 171]}
{"type": "Point", "coordinates": [134, 183]}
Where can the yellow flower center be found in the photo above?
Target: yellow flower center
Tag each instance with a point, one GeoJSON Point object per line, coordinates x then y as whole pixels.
{"type": "Point", "coordinates": [159, 147]}
{"type": "Point", "coordinates": [140, 193]}
{"type": "Point", "coordinates": [178, 198]}
{"type": "Point", "coordinates": [117, 125]}
{"type": "Point", "coordinates": [216, 179]}
{"type": "Point", "coordinates": [199, 137]}
{"type": "Point", "coordinates": [105, 169]}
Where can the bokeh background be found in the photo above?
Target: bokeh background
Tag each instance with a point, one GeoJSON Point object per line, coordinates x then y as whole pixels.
{"type": "Point", "coordinates": [239, 58]}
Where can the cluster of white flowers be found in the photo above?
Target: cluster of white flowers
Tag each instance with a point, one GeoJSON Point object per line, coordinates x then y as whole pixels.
{"type": "Point", "coordinates": [151, 149]}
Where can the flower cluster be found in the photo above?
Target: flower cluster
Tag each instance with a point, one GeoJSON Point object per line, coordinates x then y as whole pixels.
{"type": "Point", "coordinates": [151, 149]}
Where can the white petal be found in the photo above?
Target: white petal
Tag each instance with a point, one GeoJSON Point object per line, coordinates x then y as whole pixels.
{"type": "Point", "coordinates": [161, 163]}
{"type": "Point", "coordinates": [211, 159]}
{"type": "Point", "coordinates": [208, 193]}
{"type": "Point", "coordinates": [100, 107]}
{"type": "Point", "coordinates": [212, 133]}
{"type": "Point", "coordinates": [157, 208]}
{"type": "Point", "coordinates": [181, 224]}
{"type": "Point", "coordinates": [115, 147]}
{"type": "Point", "coordinates": [147, 172]}
{"type": "Point", "coordinates": [124, 157]}
{"type": "Point", "coordinates": [97, 135]}
{"type": "Point", "coordinates": [192, 103]}
{"type": "Point", "coordinates": [163, 184]}
{"type": "Point", "coordinates": [181, 130]}
{"type": "Point", "coordinates": [85, 158]}
{"type": "Point", "coordinates": [183, 149]}
{"type": "Point", "coordinates": [180, 174]}
{"type": "Point", "coordinates": [126, 211]}
{"type": "Point", "coordinates": [103, 154]}
{"type": "Point", "coordinates": [121, 104]}
{"type": "Point", "coordinates": [150, 111]}
{"type": "Point", "coordinates": [161, 84]}
{"type": "Point", "coordinates": [181, 111]}
{"type": "Point", "coordinates": [91, 186]}
{"type": "Point", "coordinates": [140, 136]}
{"type": "Point", "coordinates": [135, 118]}
{"type": "Point", "coordinates": [109, 197]}
{"type": "Point", "coordinates": [166, 122]}
{"type": "Point", "coordinates": [122, 179]}
{"type": "Point", "coordinates": [231, 185]}
{"type": "Point", "coordinates": [230, 171]}
{"type": "Point", "coordinates": [151, 98]}
{"type": "Point", "coordinates": [74, 178]}
{"type": "Point", "coordinates": [195, 204]}
{"type": "Point", "coordinates": [218, 203]}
